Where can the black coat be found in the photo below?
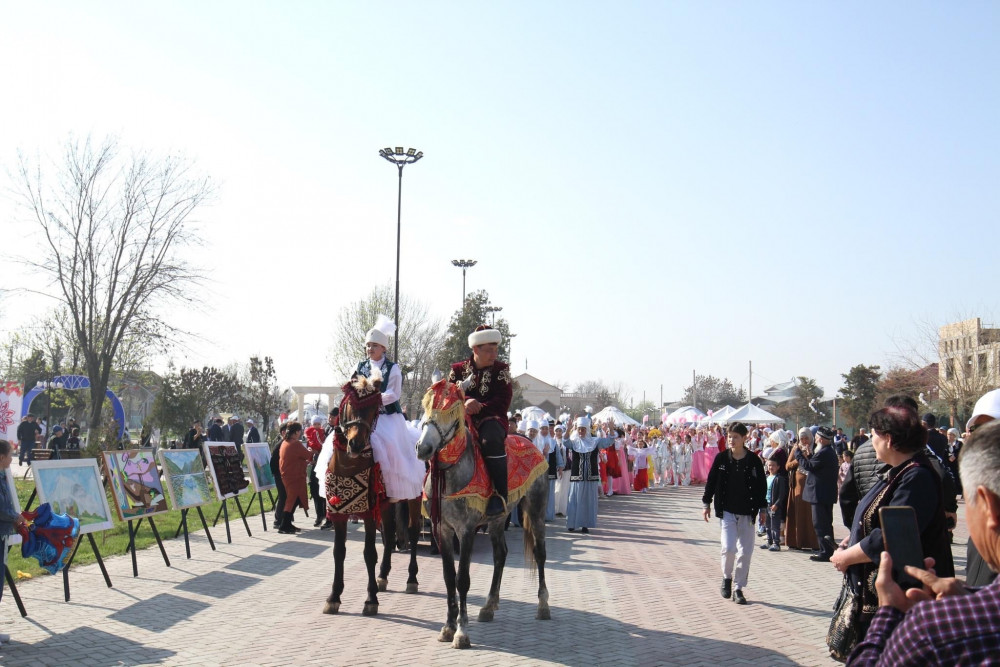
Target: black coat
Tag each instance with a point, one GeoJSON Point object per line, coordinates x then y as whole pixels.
{"type": "Point", "coordinates": [215, 433]}
{"type": "Point", "coordinates": [718, 478]}
{"type": "Point", "coordinates": [236, 433]}
{"type": "Point", "coordinates": [865, 469]}
{"type": "Point", "coordinates": [779, 495]}
{"type": "Point", "coordinates": [253, 435]}
{"type": "Point", "coordinates": [821, 482]}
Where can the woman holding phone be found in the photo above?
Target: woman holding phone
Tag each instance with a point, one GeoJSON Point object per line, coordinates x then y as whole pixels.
{"type": "Point", "coordinates": [900, 441]}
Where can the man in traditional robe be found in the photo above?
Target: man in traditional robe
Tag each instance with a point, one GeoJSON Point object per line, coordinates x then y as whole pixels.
{"type": "Point", "coordinates": [487, 400]}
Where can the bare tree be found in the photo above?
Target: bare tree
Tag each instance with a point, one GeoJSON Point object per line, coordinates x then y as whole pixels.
{"type": "Point", "coordinates": [261, 395]}
{"type": "Point", "coordinates": [114, 226]}
{"type": "Point", "coordinates": [420, 339]}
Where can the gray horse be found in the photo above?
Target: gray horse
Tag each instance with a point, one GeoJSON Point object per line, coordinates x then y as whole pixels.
{"type": "Point", "coordinates": [444, 428]}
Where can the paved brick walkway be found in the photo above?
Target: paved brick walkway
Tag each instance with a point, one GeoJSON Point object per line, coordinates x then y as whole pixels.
{"type": "Point", "coordinates": [642, 589]}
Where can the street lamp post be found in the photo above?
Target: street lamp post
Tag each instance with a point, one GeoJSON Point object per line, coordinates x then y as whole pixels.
{"type": "Point", "coordinates": [399, 158]}
{"type": "Point", "coordinates": [463, 264]}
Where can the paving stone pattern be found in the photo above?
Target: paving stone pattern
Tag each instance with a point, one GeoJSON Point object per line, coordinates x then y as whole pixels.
{"type": "Point", "coordinates": [641, 589]}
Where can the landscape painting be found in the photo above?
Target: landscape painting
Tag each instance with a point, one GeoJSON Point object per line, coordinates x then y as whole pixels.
{"type": "Point", "coordinates": [7, 479]}
{"type": "Point", "coordinates": [74, 488]}
{"type": "Point", "coordinates": [227, 469]}
{"type": "Point", "coordinates": [135, 483]}
{"type": "Point", "coordinates": [259, 458]}
{"type": "Point", "coordinates": [186, 478]}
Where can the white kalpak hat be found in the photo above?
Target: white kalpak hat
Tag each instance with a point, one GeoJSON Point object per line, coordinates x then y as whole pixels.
{"type": "Point", "coordinates": [384, 327]}
{"type": "Point", "coordinates": [583, 422]}
{"type": "Point", "coordinates": [484, 335]}
{"type": "Point", "coordinates": [988, 404]}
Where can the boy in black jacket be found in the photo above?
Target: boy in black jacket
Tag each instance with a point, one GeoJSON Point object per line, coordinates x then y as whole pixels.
{"type": "Point", "coordinates": [777, 499]}
{"type": "Point", "coordinates": [737, 482]}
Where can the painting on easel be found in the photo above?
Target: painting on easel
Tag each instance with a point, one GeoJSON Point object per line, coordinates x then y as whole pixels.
{"type": "Point", "coordinates": [259, 459]}
{"type": "Point", "coordinates": [135, 483]}
{"type": "Point", "coordinates": [227, 470]}
{"type": "Point", "coordinates": [186, 478]}
{"type": "Point", "coordinates": [74, 488]}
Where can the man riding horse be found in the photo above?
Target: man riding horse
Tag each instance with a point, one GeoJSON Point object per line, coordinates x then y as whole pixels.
{"type": "Point", "coordinates": [487, 402]}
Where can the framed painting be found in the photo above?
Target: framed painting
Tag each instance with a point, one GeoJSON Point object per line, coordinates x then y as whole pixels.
{"type": "Point", "coordinates": [135, 483]}
{"type": "Point", "coordinates": [227, 470]}
{"type": "Point", "coordinates": [8, 481]}
{"type": "Point", "coordinates": [74, 488]}
{"type": "Point", "coordinates": [187, 481]}
{"type": "Point", "coordinates": [259, 465]}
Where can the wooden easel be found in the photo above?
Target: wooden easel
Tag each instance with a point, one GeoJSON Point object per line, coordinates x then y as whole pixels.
{"type": "Point", "coordinates": [260, 501]}
{"type": "Point", "coordinates": [13, 588]}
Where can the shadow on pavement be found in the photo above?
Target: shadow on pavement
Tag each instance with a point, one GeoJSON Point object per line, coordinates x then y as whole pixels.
{"type": "Point", "coordinates": [216, 585]}
{"type": "Point", "coordinates": [58, 649]}
{"type": "Point", "coordinates": [297, 548]}
{"type": "Point", "coordinates": [262, 565]}
{"type": "Point", "coordinates": [157, 614]}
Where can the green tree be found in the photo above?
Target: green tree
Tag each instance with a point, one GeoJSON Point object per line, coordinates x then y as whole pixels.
{"type": "Point", "coordinates": [798, 408]}
{"type": "Point", "coordinates": [859, 391]}
{"type": "Point", "coordinates": [261, 397]}
{"type": "Point", "coordinates": [456, 342]}
{"type": "Point", "coordinates": [193, 394]}
{"type": "Point", "coordinates": [713, 393]}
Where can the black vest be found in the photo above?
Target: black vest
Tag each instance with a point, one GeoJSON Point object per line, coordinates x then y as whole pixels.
{"type": "Point", "coordinates": [365, 368]}
{"type": "Point", "coordinates": [591, 472]}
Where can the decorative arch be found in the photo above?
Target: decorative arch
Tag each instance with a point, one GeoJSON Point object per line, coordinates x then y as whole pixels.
{"type": "Point", "coordinates": [78, 382]}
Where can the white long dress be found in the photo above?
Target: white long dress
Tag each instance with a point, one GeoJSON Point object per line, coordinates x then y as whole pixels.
{"type": "Point", "coordinates": [394, 444]}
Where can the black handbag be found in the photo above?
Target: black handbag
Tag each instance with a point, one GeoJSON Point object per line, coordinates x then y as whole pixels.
{"type": "Point", "coordinates": [845, 631]}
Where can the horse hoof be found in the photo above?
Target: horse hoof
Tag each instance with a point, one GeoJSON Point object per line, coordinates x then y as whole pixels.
{"type": "Point", "coordinates": [331, 608]}
{"type": "Point", "coordinates": [446, 634]}
{"type": "Point", "coordinates": [485, 615]}
{"type": "Point", "coordinates": [382, 584]}
{"type": "Point", "coordinates": [461, 641]}
{"type": "Point", "coordinates": [411, 588]}
{"type": "Point", "coordinates": [543, 615]}
{"type": "Point", "coordinates": [371, 609]}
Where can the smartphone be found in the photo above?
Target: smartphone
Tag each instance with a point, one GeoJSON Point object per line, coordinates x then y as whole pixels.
{"type": "Point", "coordinates": [901, 538]}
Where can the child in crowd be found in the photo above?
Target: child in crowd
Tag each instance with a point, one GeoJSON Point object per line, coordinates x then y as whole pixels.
{"type": "Point", "coordinates": [777, 500]}
{"type": "Point", "coordinates": [845, 466]}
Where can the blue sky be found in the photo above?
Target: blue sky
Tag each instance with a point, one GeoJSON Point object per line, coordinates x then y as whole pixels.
{"type": "Point", "coordinates": [647, 187]}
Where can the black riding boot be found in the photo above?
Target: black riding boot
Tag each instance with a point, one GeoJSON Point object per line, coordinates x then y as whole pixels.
{"type": "Point", "coordinates": [496, 466]}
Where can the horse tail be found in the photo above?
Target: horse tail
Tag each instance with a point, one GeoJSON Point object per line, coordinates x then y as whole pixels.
{"type": "Point", "coordinates": [528, 526]}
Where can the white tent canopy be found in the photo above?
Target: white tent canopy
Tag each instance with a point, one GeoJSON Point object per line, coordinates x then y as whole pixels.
{"type": "Point", "coordinates": [720, 415]}
{"type": "Point", "coordinates": [686, 415]}
{"type": "Point", "coordinates": [614, 414]}
{"type": "Point", "coordinates": [751, 414]}
{"type": "Point", "coordinates": [532, 412]}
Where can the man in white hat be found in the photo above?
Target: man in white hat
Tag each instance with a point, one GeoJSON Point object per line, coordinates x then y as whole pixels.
{"type": "Point", "coordinates": [253, 435]}
{"type": "Point", "coordinates": [487, 401]}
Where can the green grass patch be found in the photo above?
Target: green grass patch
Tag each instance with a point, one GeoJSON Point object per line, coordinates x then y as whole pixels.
{"type": "Point", "coordinates": [114, 542]}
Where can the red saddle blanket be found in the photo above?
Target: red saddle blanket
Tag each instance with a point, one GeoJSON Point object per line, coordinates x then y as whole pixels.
{"type": "Point", "coordinates": [525, 464]}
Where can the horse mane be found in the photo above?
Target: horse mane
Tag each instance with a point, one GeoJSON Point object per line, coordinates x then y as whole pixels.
{"type": "Point", "coordinates": [445, 402]}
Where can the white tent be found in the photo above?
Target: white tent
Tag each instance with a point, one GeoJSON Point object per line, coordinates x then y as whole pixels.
{"type": "Point", "coordinates": [686, 415]}
{"type": "Point", "coordinates": [751, 414]}
{"type": "Point", "coordinates": [720, 416]}
{"type": "Point", "coordinates": [614, 414]}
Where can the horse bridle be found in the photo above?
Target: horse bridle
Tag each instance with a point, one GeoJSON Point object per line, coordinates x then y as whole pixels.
{"type": "Point", "coordinates": [445, 436]}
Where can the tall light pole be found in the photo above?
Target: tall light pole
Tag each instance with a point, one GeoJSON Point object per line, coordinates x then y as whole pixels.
{"type": "Point", "coordinates": [47, 386]}
{"type": "Point", "coordinates": [399, 158]}
{"type": "Point", "coordinates": [463, 264]}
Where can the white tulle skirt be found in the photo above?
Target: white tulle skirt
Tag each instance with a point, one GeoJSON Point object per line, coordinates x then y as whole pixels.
{"type": "Point", "coordinates": [394, 446]}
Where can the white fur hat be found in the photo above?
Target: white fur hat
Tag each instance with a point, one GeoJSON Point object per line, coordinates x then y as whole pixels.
{"type": "Point", "coordinates": [484, 335]}
{"type": "Point", "coordinates": [384, 327]}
